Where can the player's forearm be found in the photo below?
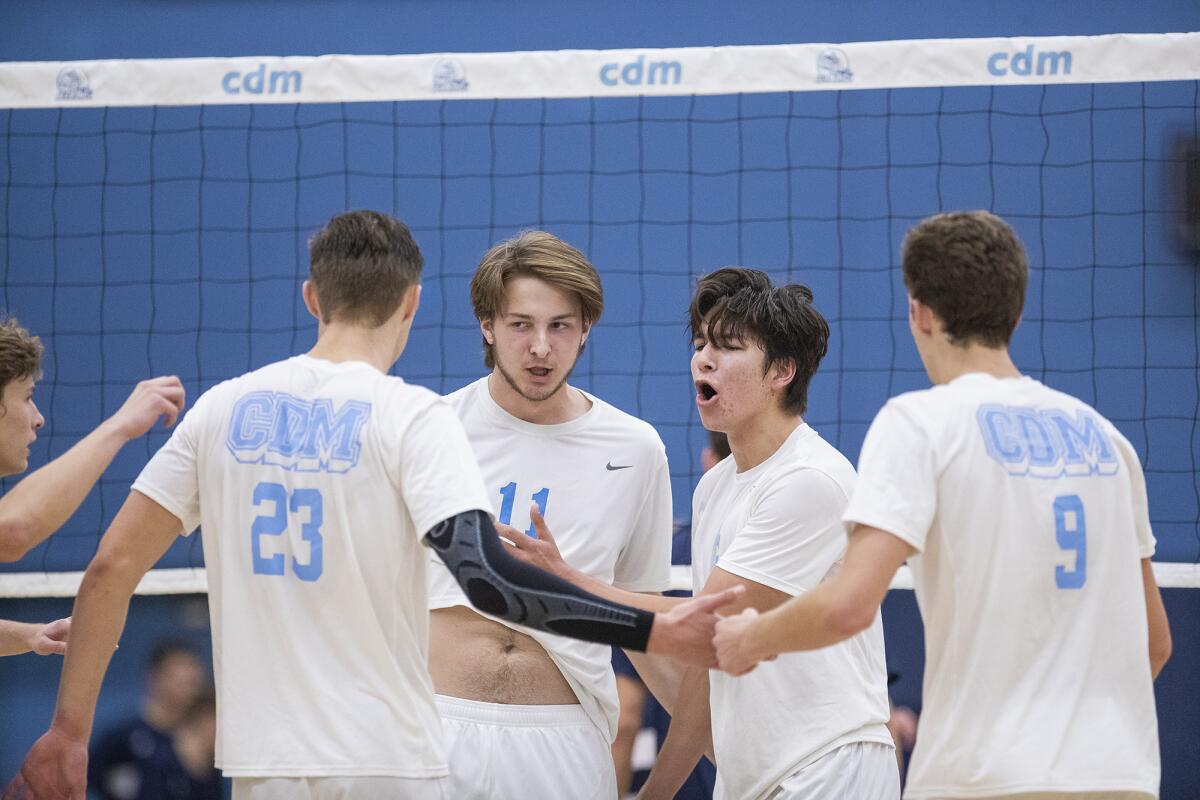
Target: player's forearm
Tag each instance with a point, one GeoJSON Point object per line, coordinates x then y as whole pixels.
{"type": "Point", "coordinates": [645, 601]}
{"type": "Point", "coordinates": [688, 738]}
{"type": "Point", "coordinates": [810, 621]}
{"type": "Point", "coordinates": [662, 676]}
{"type": "Point", "coordinates": [17, 637]}
{"type": "Point", "coordinates": [499, 584]}
{"type": "Point", "coordinates": [98, 619]}
{"type": "Point", "coordinates": [39, 505]}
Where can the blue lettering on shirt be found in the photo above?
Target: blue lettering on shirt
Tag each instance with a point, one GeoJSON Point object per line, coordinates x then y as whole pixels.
{"type": "Point", "coordinates": [1047, 443]}
{"type": "Point", "coordinates": [296, 433]}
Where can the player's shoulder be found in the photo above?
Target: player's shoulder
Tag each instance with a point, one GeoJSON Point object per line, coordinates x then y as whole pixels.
{"type": "Point", "coordinates": [470, 398]}
{"type": "Point", "coordinates": [611, 420]}
{"type": "Point", "coordinates": [810, 465]}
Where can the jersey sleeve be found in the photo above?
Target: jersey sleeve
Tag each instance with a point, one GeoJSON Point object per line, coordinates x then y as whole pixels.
{"type": "Point", "coordinates": [1141, 505]}
{"type": "Point", "coordinates": [172, 476]}
{"type": "Point", "coordinates": [896, 489]}
{"type": "Point", "coordinates": [439, 476]}
{"type": "Point", "coordinates": [645, 563]}
{"type": "Point", "coordinates": [793, 535]}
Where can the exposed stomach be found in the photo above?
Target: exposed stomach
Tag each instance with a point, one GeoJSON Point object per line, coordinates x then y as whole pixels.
{"type": "Point", "coordinates": [474, 658]}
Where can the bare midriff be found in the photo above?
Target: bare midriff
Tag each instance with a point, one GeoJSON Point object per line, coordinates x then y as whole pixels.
{"type": "Point", "coordinates": [474, 658]}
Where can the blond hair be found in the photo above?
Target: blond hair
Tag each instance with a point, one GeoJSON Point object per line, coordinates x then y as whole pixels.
{"type": "Point", "coordinates": [535, 254]}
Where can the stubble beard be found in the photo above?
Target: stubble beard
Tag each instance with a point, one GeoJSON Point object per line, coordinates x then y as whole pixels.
{"type": "Point", "coordinates": [539, 398]}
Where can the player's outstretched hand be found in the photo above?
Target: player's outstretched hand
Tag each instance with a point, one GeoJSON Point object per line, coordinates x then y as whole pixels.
{"type": "Point", "coordinates": [730, 641]}
{"type": "Point", "coordinates": [685, 633]}
{"type": "Point", "coordinates": [149, 400]}
{"type": "Point", "coordinates": [541, 552]}
{"type": "Point", "coordinates": [52, 638]}
{"type": "Point", "coordinates": [54, 769]}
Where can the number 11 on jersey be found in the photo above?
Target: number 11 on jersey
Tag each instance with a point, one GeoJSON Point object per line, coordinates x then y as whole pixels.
{"type": "Point", "coordinates": [508, 494]}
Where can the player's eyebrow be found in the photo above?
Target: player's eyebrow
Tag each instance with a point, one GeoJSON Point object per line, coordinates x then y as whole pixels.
{"type": "Point", "coordinates": [519, 315]}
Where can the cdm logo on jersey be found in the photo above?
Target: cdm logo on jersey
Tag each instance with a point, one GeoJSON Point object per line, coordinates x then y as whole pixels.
{"type": "Point", "coordinates": [1029, 62]}
{"type": "Point", "coordinates": [1047, 443]}
{"type": "Point", "coordinates": [260, 81]}
{"type": "Point", "coordinates": [295, 433]}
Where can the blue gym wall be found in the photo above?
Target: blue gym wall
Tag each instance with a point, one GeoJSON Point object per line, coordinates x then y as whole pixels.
{"type": "Point", "coordinates": [116, 29]}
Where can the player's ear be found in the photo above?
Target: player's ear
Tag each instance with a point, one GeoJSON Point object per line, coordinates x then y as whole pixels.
{"type": "Point", "coordinates": [782, 372]}
{"type": "Point", "coordinates": [920, 316]}
{"type": "Point", "coordinates": [311, 301]}
{"type": "Point", "coordinates": [587, 328]}
{"type": "Point", "coordinates": [412, 301]}
{"type": "Point", "coordinates": [486, 327]}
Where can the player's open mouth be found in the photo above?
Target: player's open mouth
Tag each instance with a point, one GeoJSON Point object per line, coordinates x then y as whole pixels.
{"type": "Point", "coordinates": [705, 393]}
{"type": "Point", "coordinates": [539, 372]}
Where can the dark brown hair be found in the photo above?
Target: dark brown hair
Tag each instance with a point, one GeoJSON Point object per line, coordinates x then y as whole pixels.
{"type": "Point", "coordinates": [739, 305]}
{"type": "Point", "coordinates": [970, 269]}
{"type": "Point", "coordinates": [535, 254]}
{"type": "Point", "coordinates": [20, 353]}
{"type": "Point", "coordinates": [361, 264]}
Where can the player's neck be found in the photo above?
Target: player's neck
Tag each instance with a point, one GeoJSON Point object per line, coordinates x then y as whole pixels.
{"type": "Point", "coordinates": [951, 361]}
{"type": "Point", "coordinates": [379, 347]}
{"type": "Point", "coordinates": [564, 405]}
{"type": "Point", "coordinates": [761, 437]}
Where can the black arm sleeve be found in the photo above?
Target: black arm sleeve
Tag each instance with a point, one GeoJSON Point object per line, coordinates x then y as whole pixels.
{"type": "Point", "coordinates": [501, 585]}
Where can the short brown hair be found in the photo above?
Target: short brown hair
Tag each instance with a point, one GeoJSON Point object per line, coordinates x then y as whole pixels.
{"type": "Point", "coordinates": [968, 267]}
{"type": "Point", "coordinates": [20, 353]}
{"type": "Point", "coordinates": [535, 254]}
{"type": "Point", "coordinates": [737, 304]}
{"type": "Point", "coordinates": [361, 264]}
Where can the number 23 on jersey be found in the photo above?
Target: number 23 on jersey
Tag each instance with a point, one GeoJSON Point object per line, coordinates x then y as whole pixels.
{"type": "Point", "coordinates": [307, 507]}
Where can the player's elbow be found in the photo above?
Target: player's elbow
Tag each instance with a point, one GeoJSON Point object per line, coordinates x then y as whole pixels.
{"type": "Point", "coordinates": [110, 572]}
{"type": "Point", "coordinates": [846, 617]}
{"type": "Point", "coordinates": [17, 537]}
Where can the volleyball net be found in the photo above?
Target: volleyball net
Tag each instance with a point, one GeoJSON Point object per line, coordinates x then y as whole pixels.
{"type": "Point", "coordinates": [154, 218]}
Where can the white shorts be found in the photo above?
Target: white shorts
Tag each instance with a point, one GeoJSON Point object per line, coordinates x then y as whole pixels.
{"type": "Point", "coordinates": [855, 771]}
{"type": "Point", "coordinates": [518, 752]}
{"type": "Point", "coordinates": [1121, 795]}
{"type": "Point", "coordinates": [369, 787]}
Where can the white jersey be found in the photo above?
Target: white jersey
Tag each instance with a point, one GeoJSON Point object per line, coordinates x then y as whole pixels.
{"type": "Point", "coordinates": [1028, 511]}
{"type": "Point", "coordinates": [315, 483]}
{"type": "Point", "coordinates": [779, 524]}
{"type": "Point", "coordinates": [602, 483]}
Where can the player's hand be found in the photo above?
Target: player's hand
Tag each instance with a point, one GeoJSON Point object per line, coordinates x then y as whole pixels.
{"type": "Point", "coordinates": [158, 397]}
{"type": "Point", "coordinates": [541, 552]}
{"type": "Point", "coordinates": [731, 644]}
{"type": "Point", "coordinates": [54, 769]}
{"type": "Point", "coordinates": [51, 638]}
{"type": "Point", "coordinates": [685, 633]}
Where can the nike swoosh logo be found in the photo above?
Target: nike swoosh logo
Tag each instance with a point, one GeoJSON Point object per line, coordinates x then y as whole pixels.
{"type": "Point", "coordinates": [609, 466]}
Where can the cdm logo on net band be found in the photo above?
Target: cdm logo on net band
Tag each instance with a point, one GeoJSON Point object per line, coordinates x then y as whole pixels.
{"type": "Point", "coordinates": [262, 81]}
{"type": "Point", "coordinates": [640, 72]}
{"type": "Point", "coordinates": [1030, 62]}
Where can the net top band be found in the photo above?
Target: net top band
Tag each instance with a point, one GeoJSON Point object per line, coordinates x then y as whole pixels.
{"type": "Point", "coordinates": [1114, 58]}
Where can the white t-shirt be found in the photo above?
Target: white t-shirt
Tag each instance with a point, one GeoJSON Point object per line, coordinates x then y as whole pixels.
{"type": "Point", "coordinates": [602, 483]}
{"type": "Point", "coordinates": [315, 483]}
{"type": "Point", "coordinates": [779, 524]}
{"type": "Point", "coordinates": [1028, 511]}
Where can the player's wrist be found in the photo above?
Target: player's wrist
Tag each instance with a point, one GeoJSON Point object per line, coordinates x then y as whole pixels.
{"type": "Point", "coordinates": [115, 429]}
{"type": "Point", "coordinates": [756, 639]}
{"type": "Point", "coordinates": [70, 727]}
